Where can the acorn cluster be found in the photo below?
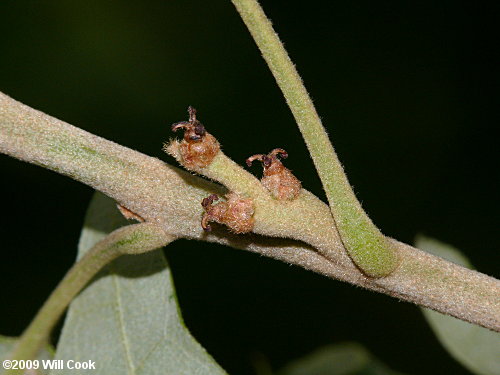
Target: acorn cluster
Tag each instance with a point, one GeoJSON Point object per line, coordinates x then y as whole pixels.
{"type": "Point", "coordinates": [198, 149]}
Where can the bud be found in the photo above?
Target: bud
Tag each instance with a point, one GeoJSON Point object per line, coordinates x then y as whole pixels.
{"type": "Point", "coordinates": [235, 212]}
{"type": "Point", "coordinates": [278, 179]}
{"type": "Point", "coordinates": [198, 148]}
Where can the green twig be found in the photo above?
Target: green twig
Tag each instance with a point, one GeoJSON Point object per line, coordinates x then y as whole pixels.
{"type": "Point", "coordinates": [132, 239]}
{"type": "Point", "coordinates": [273, 217]}
{"type": "Point", "coordinates": [369, 249]}
{"type": "Point", "coordinates": [159, 192]}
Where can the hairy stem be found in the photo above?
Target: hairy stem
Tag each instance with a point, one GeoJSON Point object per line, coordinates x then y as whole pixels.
{"type": "Point", "coordinates": [132, 239]}
{"type": "Point", "coordinates": [158, 192]}
{"type": "Point", "coordinates": [366, 245]}
{"type": "Point", "coordinates": [273, 217]}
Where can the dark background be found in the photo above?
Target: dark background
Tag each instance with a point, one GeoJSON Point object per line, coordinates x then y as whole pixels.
{"type": "Point", "coordinates": [407, 90]}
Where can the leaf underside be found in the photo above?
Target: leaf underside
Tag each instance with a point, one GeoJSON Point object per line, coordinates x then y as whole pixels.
{"type": "Point", "coordinates": [127, 320]}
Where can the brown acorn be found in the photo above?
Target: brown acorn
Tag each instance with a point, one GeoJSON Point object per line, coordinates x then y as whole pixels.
{"type": "Point", "coordinates": [278, 179]}
{"type": "Point", "coordinates": [235, 212]}
{"type": "Point", "coordinates": [198, 148]}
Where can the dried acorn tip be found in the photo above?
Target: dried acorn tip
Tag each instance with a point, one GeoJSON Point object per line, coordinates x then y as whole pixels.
{"type": "Point", "coordinates": [278, 179]}
{"type": "Point", "coordinates": [206, 203]}
{"type": "Point", "coordinates": [194, 130]}
{"type": "Point", "coordinates": [235, 212]}
{"type": "Point", "coordinates": [198, 147]}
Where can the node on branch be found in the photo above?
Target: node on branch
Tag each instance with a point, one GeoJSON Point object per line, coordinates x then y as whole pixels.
{"type": "Point", "coordinates": [278, 179]}
{"type": "Point", "coordinates": [198, 147]}
{"type": "Point", "coordinates": [236, 213]}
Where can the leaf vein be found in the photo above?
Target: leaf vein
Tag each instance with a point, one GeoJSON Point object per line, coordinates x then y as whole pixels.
{"type": "Point", "coordinates": [121, 320]}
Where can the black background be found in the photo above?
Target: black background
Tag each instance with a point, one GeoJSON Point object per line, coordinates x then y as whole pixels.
{"type": "Point", "coordinates": [407, 90]}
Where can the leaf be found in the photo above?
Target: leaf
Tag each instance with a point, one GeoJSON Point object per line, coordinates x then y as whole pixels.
{"type": "Point", "coordinates": [127, 320]}
{"type": "Point", "coordinates": [476, 348]}
{"type": "Point", "coordinates": [7, 344]}
{"type": "Point", "coordinates": [341, 359]}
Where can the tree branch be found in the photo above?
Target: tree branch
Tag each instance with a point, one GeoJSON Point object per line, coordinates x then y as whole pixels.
{"type": "Point", "coordinates": [158, 192]}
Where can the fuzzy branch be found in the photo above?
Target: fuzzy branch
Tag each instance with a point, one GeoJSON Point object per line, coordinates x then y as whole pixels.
{"type": "Point", "coordinates": [157, 192]}
{"type": "Point", "coordinates": [366, 245]}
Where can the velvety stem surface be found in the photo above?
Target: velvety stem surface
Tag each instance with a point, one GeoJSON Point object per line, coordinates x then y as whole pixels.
{"type": "Point", "coordinates": [159, 192]}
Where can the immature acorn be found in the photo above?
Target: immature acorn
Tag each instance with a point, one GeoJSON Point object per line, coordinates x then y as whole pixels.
{"type": "Point", "coordinates": [235, 212]}
{"type": "Point", "coordinates": [278, 179]}
{"type": "Point", "coordinates": [198, 148]}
